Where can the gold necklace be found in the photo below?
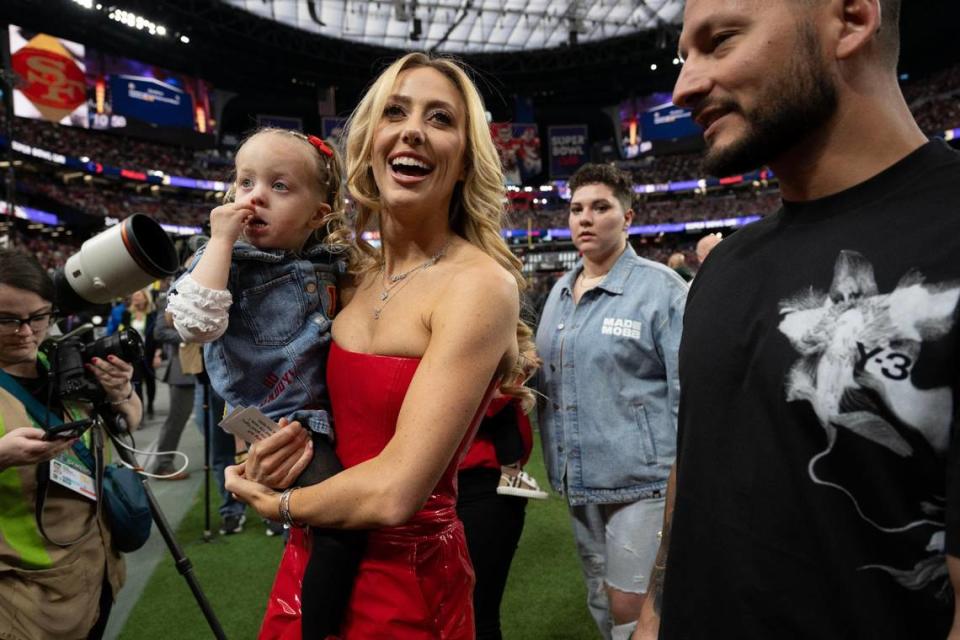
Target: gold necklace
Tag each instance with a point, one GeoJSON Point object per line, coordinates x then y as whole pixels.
{"type": "Point", "coordinates": [399, 281]}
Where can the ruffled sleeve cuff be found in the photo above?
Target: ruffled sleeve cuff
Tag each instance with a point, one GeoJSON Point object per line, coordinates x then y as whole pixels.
{"type": "Point", "coordinates": [200, 314]}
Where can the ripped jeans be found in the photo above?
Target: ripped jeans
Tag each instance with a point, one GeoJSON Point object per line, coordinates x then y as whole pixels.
{"type": "Point", "coordinates": [617, 544]}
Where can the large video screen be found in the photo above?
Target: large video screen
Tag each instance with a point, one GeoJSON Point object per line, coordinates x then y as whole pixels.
{"type": "Point", "coordinates": [648, 119]}
{"type": "Point", "coordinates": [518, 145]}
{"type": "Point", "coordinates": [52, 72]}
{"type": "Point", "coordinates": [74, 85]}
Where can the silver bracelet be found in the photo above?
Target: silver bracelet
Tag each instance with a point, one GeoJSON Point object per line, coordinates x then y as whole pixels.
{"type": "Point", "coordinates": [117, 403]}
{"type": "Point", "coordinates": [285, 516]}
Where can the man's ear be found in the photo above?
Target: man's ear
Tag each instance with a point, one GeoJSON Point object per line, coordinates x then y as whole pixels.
{"type": "Point", "coordinates": [860, 21]}
{"type": "Point", "coordinates": [627, 219]}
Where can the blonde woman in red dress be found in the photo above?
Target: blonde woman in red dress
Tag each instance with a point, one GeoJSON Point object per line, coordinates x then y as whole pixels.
{"type": "Point", "coordinates": [425, 336]}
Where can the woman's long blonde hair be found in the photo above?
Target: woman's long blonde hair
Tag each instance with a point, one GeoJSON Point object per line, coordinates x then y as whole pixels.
{"type": "Point", "coordinates": [477, 207]}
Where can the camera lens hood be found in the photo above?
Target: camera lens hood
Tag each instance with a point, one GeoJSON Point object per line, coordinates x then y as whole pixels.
{"type": "Point", "coordinates": [115, 263]}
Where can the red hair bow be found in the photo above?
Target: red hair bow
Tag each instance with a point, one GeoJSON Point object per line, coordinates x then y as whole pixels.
{"type": "Point", "coordinates": [320, 145]}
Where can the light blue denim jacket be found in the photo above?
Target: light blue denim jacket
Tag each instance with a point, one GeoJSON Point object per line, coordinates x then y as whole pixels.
{"type": "Point", "coordinates": [274, 353]}
{"type": "Point", "coordinates": [609, 418]}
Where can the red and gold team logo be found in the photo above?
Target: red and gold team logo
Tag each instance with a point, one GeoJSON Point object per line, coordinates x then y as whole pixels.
{"type": "Point", "coordinates": [52, 79]}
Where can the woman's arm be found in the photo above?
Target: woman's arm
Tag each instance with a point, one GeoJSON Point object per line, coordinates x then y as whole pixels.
{"type": "Point", "coordinates": [473, 328]}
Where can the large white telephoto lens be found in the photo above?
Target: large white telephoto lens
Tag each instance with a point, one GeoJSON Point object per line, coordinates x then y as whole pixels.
{"type": "Point", "coordinates": [116, 262]}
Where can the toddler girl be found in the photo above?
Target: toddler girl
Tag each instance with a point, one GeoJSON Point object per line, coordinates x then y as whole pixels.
{"type": "Point", "coordinates": [262, 293]}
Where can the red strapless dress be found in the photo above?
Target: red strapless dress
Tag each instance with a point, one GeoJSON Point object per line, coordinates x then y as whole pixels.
{"type": "Point", "coordinates": [415, 581]}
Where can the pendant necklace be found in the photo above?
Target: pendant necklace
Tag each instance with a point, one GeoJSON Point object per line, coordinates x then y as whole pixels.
{"type": "Point", "coordinates": [400, 280]}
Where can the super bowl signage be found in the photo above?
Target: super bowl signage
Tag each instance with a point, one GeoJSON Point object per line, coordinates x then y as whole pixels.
{"type": "Point", "coordinates": [51, 84]}
{"type": "Point", "coordinates": [568, 149]}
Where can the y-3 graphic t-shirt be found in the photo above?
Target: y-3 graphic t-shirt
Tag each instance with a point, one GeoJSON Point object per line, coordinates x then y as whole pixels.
{"type": "Point", "coordinates": [819, 486]}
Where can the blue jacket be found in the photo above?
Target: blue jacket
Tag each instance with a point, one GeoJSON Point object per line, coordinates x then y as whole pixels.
{"type": "Point", "coordinates": [609, 417]}
{"type": "Point", "coordinates": [274, 353]}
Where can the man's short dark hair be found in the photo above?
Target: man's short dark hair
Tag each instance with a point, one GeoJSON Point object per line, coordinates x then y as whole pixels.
{"type": "Point", "coordinates": [619, 181]}
{"type": "Point", "coordinates": [889, 35]}
{"type": "Point", "coordinates": [23, 271]}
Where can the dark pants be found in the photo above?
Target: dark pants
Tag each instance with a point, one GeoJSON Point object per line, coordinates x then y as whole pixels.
{"type": "Point", "coordinates": [106, 604]}
{"type": "Point", "coordinates": [334, 556]}
{"type": "Point", "coordinates": [181, 404]}
{"type": "Point", "coordinates": [493, 524]}
{"type": "Point", "coordinates": [222, 445]}
{"type": "Point", "coordinates": [504, 431]}
{"type": "Point", "coordinates": [144, 379]}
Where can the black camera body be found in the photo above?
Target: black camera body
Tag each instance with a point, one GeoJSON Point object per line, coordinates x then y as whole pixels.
{"type": "Point", "coordinates": [67, 358]}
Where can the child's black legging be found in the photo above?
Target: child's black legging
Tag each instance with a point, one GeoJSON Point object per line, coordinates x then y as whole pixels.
{"type": "Point", "coordinates": [335, 556]}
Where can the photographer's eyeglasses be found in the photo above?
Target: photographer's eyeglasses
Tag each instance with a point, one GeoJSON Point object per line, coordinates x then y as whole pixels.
{"type": "Point", "coordinates": [39, 322]}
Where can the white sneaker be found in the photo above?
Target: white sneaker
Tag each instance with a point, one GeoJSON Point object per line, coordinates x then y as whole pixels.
{"type": "Point", "coordinates": [521, 485]}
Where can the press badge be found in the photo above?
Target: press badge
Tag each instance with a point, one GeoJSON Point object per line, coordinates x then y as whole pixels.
{"type": "Point", "coordinates": [68, 475]}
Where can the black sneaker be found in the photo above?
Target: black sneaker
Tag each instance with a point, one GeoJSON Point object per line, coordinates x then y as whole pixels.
{"type": "Point", "coordinates": [232, 524]}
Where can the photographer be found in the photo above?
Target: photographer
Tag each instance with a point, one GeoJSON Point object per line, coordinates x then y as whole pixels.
{"type": "Point", "coordinates": [47, 590]}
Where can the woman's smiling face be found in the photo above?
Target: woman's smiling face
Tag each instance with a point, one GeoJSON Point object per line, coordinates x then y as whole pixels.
{"type": "Point", "coordinates": [420, 141]}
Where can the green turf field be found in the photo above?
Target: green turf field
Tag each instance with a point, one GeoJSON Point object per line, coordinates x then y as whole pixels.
{"type": "Point", "coordinates": [545, 597]}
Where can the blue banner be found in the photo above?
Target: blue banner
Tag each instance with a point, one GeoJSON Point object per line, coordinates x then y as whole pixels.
{"type": "Point", "coordinates": [568, 149]}
{"type": "Point", "coordinates": [150, 100]}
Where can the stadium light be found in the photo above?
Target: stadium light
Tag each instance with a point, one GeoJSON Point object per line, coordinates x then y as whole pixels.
{"type": "Point", "coordinates": [653, 67]}
{"type": "Point", "coordinates": [139, 23]}
{"type": "Point", "coordinates": [185, 39]}
{"type": "Point", "coordinates": [86, 4]}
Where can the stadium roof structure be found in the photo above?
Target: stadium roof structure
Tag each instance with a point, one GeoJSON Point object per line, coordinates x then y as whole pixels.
{"type": "Point", "coordinates": [470, 26]}
{"type": "Point", "coordinates": [560, 53]}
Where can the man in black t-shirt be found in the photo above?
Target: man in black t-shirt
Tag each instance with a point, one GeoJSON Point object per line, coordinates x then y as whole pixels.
{"type": "Point", "coordinates": [816, 491]}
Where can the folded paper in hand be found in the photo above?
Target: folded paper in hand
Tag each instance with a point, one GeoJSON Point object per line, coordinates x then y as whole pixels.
{"type": "Point", "coordinates": [249, 424]}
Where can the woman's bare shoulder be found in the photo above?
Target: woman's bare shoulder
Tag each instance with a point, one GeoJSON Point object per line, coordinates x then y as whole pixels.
{"type": "Point", "coordinates": [479, 289]}
{"type": "Point", "coordinates": [476, 268]}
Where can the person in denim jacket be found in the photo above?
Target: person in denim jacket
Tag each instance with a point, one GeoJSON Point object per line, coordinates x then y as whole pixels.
{"type": "Point", "coordinates": [609, 336]}
{"type": "Point", "coordinates": [262, 293]}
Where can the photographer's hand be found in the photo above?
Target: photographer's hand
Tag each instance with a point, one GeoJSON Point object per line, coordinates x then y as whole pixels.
{"type": "Point", "coordinates": [115, 376]}
{"type": "Point", "coordinates": [23, 446]}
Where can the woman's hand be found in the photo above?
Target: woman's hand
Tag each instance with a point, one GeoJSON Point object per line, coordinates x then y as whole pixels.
{"type": "Point", "coordinates": [115, 376]}
{"type": "Point", "coordinates": [23, 446]}
{"type": "Point", "coordinates": [262, 498]}
{"type": "Point", "coordinates": [278, 460]}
